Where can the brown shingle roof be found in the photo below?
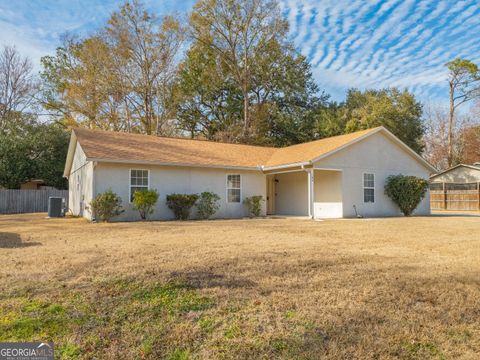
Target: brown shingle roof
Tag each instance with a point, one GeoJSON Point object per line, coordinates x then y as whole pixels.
{"type": "Point", "coordinates": [116, 146]}
{"type": "Point", "coordinates": [126, 147]}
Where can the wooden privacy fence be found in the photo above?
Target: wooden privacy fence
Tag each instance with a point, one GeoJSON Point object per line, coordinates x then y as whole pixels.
{"type": "Point", "coordinates": [28, 201]}
{"type": "Point", "coordinates": [455, 196]}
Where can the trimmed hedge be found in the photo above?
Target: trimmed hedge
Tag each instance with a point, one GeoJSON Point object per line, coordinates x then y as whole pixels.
{"type": "Point", "coordinates": [181, 204]}
{"type": "Point", "coordinates": [144, 201]}
{"type": "Point", "coordinates": [406, 191]}
{"type": "Point", "coordinates": [207, 204]}
{"type": "Point", "coordinates": [254, 205]}
{"type": "Point", "coordinates": [107, 205]}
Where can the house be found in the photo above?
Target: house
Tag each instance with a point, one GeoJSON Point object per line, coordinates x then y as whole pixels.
{"type": "Point", "coordinates": [460, 173]}
{"type": "Point", "coordinates": [34, 184]}
{"type": "Point", "coordinates": [320, 179]}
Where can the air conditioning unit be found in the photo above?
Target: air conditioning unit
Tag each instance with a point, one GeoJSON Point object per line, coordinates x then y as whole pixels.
{"type": "Point", "coordinates": [55, 207]}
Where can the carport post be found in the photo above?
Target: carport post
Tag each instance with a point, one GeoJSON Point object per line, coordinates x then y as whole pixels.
{"type": "Point", "coordinates": [311, 193]}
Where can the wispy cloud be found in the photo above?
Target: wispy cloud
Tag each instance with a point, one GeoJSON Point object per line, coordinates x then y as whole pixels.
{"type": "Point", "coordinates": [350, 43]}
{"type": "Point", "coordinates": [402, 43]}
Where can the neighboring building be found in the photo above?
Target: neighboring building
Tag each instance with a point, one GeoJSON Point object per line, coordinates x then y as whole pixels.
{"type": "Point", "coordinates": [32, 185]}
{"type": "Point", "coordinates": [460, 173]}
{"type": "Point", "coordinates": [320, 179]}
{"type": "Point", "coordinates": [35, 184]}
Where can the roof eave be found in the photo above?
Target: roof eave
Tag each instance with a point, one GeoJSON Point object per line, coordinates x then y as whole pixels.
{"type": "Point", "coordinates": [454, 167]}
{"type": "Point", "coordinates": [284, 166]}
{"type": "Point", "coordinates": [163, 163]}
{"type": "Point", "coordinates": [70, 154]}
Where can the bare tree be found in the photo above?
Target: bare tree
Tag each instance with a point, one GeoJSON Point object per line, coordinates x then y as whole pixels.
{"type": "Point", "coordinates": [145, 51]}
{"type": "Point", "coordinates": [17, 85]}
{"type": "Point", "coordinates": [239, 31]}
{"type": "Point", "coordinates": [464, 85]}
{"type": "Point", "coordinates": [465, 135]}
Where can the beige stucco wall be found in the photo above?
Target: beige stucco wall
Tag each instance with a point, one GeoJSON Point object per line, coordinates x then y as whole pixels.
{"type": "Point", "coordinates": [328, 194]}
{"type": "Point", "coordinates": [184, 180]}
{"type": "Point", "coordinates": [291, 194]}
{"type": "Point", "coordinates": [379, 155]}
{"type": "Point", "coordinates": [461, 174]}
{"type": "Point", "coordinates": [80, 184]}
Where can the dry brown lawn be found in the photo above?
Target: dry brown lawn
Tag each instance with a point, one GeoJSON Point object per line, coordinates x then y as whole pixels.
{"type": "Point", "coordinates": [405, 288]}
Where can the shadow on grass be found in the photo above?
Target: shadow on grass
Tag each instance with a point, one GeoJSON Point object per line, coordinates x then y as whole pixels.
{"type": "Point", "coordinates": [13, 240]}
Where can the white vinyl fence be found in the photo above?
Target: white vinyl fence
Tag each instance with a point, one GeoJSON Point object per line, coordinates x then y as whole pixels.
{"type": "Point", "coordinates": [28, 201]}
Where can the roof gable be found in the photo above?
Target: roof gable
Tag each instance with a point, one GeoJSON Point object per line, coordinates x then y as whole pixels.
{"type": "Point", "coordinates": [473, 167]}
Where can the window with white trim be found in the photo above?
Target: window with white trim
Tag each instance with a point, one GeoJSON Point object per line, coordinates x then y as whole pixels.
{"type": "Point", "coordinates": [368, 188]}
{"type": "Point", "coordinates": [138, 181]}
{"type": "Point", "coordinates": [233, 188]}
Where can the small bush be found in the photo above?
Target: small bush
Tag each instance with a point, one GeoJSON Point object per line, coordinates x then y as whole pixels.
{"type": "Point", "coordinates": [181, 204]}
{"type": "Point", "coordinates": [406, 191]}
{"type": "Point", "coordinates": [144, 202]}
{"type": "Point", "coordinates": [207, 205]}
{"type": "Point", "coordinates": [107, 205]}
{"type": "Point", "coordinates": [254, 205]}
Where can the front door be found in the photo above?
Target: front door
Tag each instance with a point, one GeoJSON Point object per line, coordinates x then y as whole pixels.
{"type": "Point", "coordinates": [270, 195]}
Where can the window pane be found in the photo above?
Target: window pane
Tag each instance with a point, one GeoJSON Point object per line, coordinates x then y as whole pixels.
{"type": "Point", "coordinates": [233, 182]}
{"type": "Point", "coordinates": [368, 180]}
{"type": "Point", "coordinates": [368, 195]}
{"type": "Point", "coordinates": [233, 195]}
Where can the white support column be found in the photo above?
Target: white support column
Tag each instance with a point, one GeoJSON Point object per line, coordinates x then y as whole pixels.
{"type": "Point", "coordinates": [311, 193]}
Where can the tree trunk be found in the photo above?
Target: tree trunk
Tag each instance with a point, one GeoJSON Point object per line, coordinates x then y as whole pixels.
{"type": "Point", "coordinates": [245, 115]}
{"type": "Point", "coordinates": [451, 116]}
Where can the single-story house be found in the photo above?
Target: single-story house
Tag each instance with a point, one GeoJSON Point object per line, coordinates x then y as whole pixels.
{"type": "Point", "coordinates": [325, 178]}
{"type": "Point", "coordinates": [33, 184]}
{"type": "Point", "coordinates": [460, 174]}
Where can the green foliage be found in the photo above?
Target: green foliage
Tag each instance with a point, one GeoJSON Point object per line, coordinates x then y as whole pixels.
{"type": "Point", "coordinates": [254, 205]}
{"type": "Point", "coordinates": [207, 204]}
{"type": "Point", "coordinates": [271, 103]}
{"type": "Point", "coordinates": [463, 67]}
{"type": "Point", "coordinates": [33, 151]}
{"type": "Point", "coordinates": [107, 205]}
{"type": "Point", "coordinates": [174, 297]}
{"type": "Point", "coordinates": [144, 201]}
{"type": "Point", "coordinates": [396, 110]}
{"type": "Point", "coordinates": [181, 204]}
{"type": "Point", "coordinates": [406, 191]}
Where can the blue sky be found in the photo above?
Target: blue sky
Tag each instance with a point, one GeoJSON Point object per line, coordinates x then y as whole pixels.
{"type": "Point", "coordinates": [350, 43]}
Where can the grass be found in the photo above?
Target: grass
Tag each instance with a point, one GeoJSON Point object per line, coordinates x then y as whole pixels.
{"type": "Point", "coordinates": [405, 288]}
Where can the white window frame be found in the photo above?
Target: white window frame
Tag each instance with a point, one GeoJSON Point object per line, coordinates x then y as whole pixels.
{"type": "Point", "coordinates": [130, 182]}
{"type": "Point", "coordinates": [368, 187]}
{"type": "Point", "coordinates": [228, 188]}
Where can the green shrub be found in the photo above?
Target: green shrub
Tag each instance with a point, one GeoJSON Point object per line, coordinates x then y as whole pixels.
{"type": "Point", "coordinates": [406, 191]}
{"type": "Point", "coordinates": [144, 201]}
{"type": "Point", "coordinates": [254, 205]}
{"type": "Point", "coordinates": [207, 204]}
{"type": "Point", "coordinates": [181, 204]}
{"type": "Point", "coordinates": [107, 205]}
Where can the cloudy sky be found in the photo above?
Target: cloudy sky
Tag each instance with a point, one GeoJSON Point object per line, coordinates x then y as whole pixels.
{"type": "Point", "coordinates": [350, 43]}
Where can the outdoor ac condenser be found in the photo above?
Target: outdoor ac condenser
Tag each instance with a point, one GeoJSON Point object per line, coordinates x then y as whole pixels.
{"type": "Point", "coordinates": [55, 206]}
